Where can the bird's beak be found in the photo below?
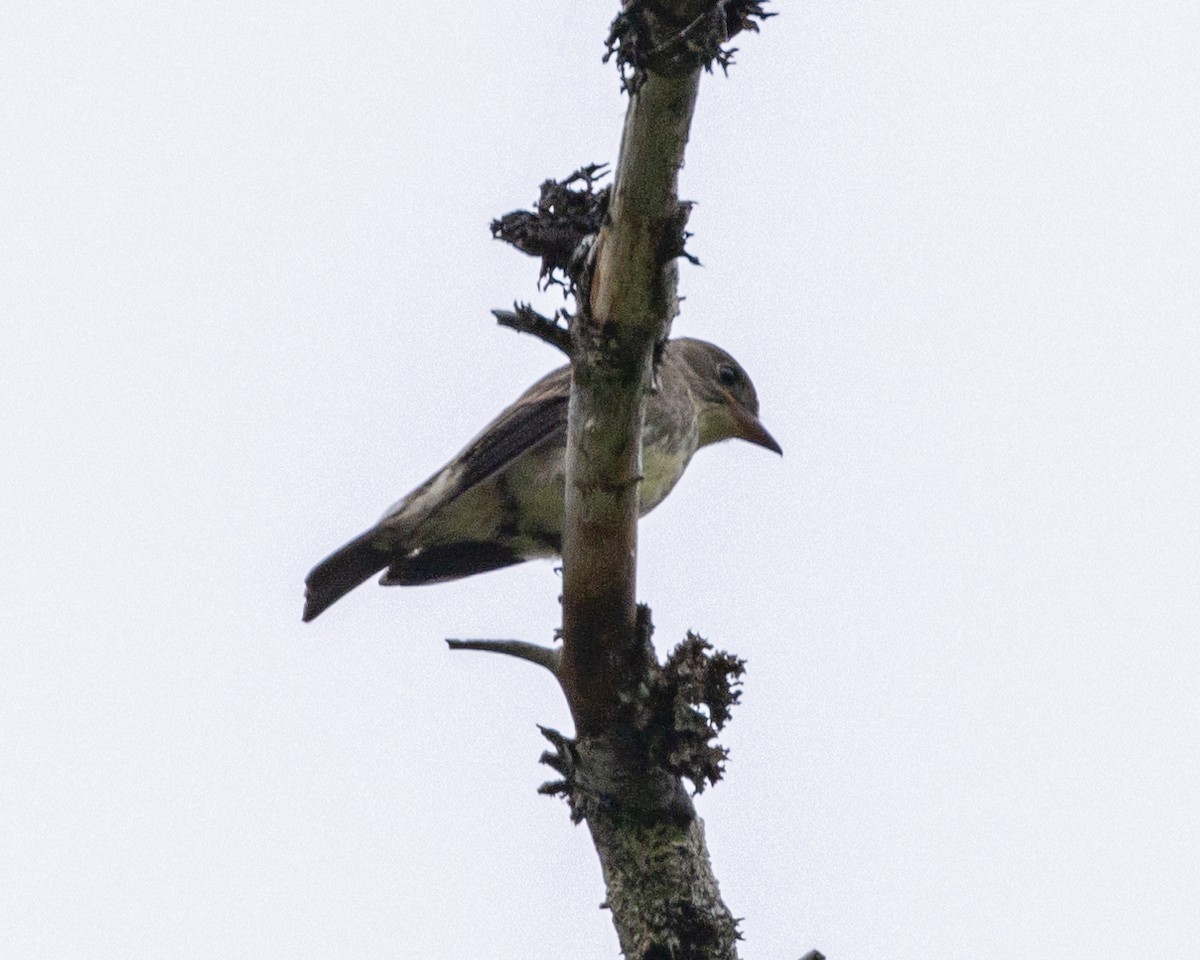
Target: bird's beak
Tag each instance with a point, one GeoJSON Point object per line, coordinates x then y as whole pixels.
{"type": "Point", "coordinates": [750, 428]}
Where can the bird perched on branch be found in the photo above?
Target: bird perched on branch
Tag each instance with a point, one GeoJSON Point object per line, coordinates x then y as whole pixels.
{"type": "Point", "coordinates": [500, 501]}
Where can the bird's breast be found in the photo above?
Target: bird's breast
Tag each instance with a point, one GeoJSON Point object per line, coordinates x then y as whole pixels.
{"type": "Point", "coordinates": [662, 466]}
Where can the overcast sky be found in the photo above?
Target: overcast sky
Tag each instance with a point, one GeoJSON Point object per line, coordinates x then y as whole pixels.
{"type": "Point", "coordinates": [244, 306]}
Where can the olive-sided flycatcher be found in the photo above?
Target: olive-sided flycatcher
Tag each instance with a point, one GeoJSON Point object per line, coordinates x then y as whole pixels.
{"type": "Point", "coordinates": [500, 501]}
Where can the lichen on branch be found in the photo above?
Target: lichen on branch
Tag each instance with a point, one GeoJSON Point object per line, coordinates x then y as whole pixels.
{"type": "Point", "coordinates": [667, 729]}
{"type": "Point", "coordinates": [690, 701]}
{"type": "Point", "coordinates": [567, 213]}
{"type": "Point", "coordinates": [671, 39]}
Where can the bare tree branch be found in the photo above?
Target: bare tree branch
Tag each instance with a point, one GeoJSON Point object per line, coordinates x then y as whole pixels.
{"type": "Point", "coordinates": [641, 727]}
{"type": "Point", "coordinates": [661, 887]}
{"type": "Point", "coordinates": [524, 319]}
{"type": "Point", "coordinates": [629, 304]}
{"type": "Point", "coordinates": [543, 656]}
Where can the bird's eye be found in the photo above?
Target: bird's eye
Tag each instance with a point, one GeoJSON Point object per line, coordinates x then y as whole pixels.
{"type": "Point", "coordinates": [727, 375]}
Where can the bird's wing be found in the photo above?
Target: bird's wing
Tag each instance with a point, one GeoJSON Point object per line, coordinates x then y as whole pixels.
{"type": "Point", "coordinates": [537, 415]}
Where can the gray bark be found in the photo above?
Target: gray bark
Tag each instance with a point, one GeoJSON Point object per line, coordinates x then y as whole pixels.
{"type": "Point", "coordinates": [661, 889]}
{"type": "Point", "coordinates": [641, 728]}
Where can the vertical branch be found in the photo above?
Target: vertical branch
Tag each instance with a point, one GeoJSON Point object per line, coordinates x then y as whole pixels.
{"type": "Point", "coordinates": [631, 300]}
{"type": "Point", "coordinates": [624, 772]}
{"type": "Point", "coordinates": [661, 888]}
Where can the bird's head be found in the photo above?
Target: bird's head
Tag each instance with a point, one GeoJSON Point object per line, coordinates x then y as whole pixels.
{"type": "Point", "coordinates": [726, 403]}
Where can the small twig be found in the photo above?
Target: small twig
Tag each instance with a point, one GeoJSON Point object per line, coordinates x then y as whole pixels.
{"type": "Point", "coordinates": [524, 319]}
{"type": "Point", "coordinates": [543, 656]}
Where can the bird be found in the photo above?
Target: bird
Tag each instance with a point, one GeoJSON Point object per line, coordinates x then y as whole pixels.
{"type": "Point", "coordinates": [500, 500]}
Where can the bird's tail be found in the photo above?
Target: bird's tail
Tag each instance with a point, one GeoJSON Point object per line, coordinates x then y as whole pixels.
{"type": "Point", "coordinates": [341, 572]}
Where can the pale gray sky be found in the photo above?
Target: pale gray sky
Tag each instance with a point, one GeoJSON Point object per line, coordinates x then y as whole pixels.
{"type": "Point", "coordinates": [244, 305]}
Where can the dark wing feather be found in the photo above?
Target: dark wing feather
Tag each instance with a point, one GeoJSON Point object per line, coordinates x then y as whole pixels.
{"type": "Point", "coordinates": [536, 415]}
{"type": "Point", "coordinates": [448, 561]}
{"type": "Point", "coordinates": [538, 412]}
